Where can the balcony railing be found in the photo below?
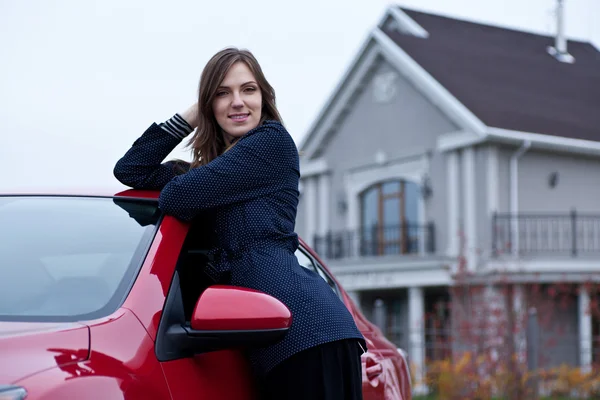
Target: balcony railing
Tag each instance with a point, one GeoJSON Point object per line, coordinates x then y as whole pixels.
{"type": "Point", "coordinates": [571, 234]}
{"type": "Point", "coordinates": [377, 241]}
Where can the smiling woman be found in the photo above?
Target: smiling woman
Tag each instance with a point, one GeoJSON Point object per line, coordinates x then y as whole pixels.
{"type": "Point", "coordinates": [244, 178]}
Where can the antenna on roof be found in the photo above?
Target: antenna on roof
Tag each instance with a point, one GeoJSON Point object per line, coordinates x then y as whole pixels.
{"type": "Point", "coordinates": [559, 50]}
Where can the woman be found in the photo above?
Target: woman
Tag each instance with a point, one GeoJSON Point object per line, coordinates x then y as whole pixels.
{"type": "Point", "coordinates": [245, 171]}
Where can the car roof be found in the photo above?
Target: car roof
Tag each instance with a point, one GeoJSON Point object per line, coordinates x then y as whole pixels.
{"type": "Point", "coordinates": [83, 192]}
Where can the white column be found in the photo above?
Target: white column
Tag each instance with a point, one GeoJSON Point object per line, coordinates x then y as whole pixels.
{"type": "Point", "coordinates": [416, 329]}
{"type": "Point", "coordinates": [470, 227]}
{"type": "Point", "coordinates": [493, 308]}
{"type": "Point", "coordinates": [519, 313]}
{"type": "Point", "coordinates": [492, 192]}
{"type": "Point", "coordinates": [492, 180]}
{"type": "Point", "coordinates": [585, 329]}
{"type": "Point", "coordinates": [423, 233]}
{"type": "Point", "coordinates": [310, 194]}
{"type": "Point", "coordinates": [353, 216]}
{"type": "Point", "coordinates": [380, 314]}
{"type": "Point", "coordinates": [324, 204]}
{"type": "Point", "coordinates": [452, 203]}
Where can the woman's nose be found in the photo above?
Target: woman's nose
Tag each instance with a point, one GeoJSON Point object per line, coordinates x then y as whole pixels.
{"type": "Point", "coordinates": [237, 101]}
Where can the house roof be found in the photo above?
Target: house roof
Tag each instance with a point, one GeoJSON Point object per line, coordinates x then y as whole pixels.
{"type": "Point", "coordinates": [507, 78]}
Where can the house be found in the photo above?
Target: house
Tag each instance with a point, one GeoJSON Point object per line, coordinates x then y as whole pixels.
{"type": "Point", "coordinates": [449, 140]}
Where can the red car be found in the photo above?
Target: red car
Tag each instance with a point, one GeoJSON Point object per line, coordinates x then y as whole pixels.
{"type": "Point", "coordinates": [103, 297]}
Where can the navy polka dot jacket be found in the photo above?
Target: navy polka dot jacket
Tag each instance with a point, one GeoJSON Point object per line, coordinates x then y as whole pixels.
{"type": "Point", "coordinates": [252, 191]}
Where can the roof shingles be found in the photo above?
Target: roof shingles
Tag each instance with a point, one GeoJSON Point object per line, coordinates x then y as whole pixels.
{"type": "Point", "coordinates": [507, 78]}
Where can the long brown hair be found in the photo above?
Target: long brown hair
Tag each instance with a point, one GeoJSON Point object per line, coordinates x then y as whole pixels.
{"type": "Point", "coordinates": [208, 142]}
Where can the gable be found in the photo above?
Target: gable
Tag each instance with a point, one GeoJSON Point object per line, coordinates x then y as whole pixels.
{"type": "Point", "coordinates": [380, 45]}
{"type": "Point", "coordinates": [339, 100]}
{"type": "Point", "coordinates": [387, 115]}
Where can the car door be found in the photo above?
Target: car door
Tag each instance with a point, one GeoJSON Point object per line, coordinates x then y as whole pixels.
{"type": "Point", "coordinates": [213, 375]}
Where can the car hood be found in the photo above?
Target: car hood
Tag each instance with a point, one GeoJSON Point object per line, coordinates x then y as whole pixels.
{"type": "Point", "coordinates": [30, 347]}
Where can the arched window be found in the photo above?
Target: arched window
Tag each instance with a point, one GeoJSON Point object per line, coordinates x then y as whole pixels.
{"type": "Point", "coordinates": [390, 218]}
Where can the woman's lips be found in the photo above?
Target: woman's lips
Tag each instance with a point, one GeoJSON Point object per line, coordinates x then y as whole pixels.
{"type": "Point", "coordinates": [239, 117]}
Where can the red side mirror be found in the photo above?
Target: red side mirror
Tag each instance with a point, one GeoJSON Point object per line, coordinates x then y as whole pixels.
{"type": "Point", "coordinates": [230, 308]}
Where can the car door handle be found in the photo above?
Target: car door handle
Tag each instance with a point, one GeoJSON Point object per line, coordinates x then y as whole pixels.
{"type": "Point", "coordinates": [373, 368]}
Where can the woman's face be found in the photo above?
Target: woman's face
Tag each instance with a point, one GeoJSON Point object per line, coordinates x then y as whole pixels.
{"type": "Point", "coordinates": [238, 102]}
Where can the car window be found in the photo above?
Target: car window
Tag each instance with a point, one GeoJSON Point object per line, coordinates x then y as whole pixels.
{"type": "Point", "coordinates": [307, 262]}
{"type": "Point", "coordinates": [66, 258]}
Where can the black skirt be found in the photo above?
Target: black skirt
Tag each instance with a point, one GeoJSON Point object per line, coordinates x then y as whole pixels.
{"type": "Point", "coordinates": [328, 372]}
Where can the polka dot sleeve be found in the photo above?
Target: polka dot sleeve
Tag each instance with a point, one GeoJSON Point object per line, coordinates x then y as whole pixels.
{"type": "Point", "coordinates": [247, 171]}
{"type": "Point", "coordinates": [141, 167]}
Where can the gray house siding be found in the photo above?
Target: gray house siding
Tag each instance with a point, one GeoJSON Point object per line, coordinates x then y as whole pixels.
{"type": "Point", "coordinates": [576, 174]}
{"type": "Point", "coordinates": [407, 124]}
{"type": "Point", "coordinates": [578, 186]}
{"type": "Point", "coordinates": [504, 155]}
{"type": "Point", "coordinates": [483, 238]}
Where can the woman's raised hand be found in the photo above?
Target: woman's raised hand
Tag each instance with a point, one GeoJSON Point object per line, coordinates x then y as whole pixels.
{"type": "Point", "coordinates": [191, 115]}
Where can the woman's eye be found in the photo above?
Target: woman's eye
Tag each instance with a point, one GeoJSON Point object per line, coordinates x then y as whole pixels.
{"type": "Point", "coordinates": [251, 89]}
{"type": "Point", "coordinates": [221, 94]}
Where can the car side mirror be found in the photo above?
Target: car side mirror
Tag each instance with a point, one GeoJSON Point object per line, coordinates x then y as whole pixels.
{"type": "Point", "coordinates": [225, 317]}
{"type": "Point", "coordinates": [229, 317]}
{"type": "Point", "coordinates": [240, 310]}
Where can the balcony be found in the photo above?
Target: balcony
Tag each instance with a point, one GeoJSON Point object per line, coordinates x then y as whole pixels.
{"type": "Point", "coordinates": [569, 234]}
{"type": "Point", "coordinates": [404, 239]}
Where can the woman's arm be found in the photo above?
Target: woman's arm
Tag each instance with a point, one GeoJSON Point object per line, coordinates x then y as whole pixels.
{"type": "Point", "coordinates": [141, 168]}
{"type": "Point", "coordinates": [250, 169]}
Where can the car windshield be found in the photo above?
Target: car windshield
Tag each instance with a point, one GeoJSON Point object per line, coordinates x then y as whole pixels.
{"type": "Point", "coordinates": [70, 258]}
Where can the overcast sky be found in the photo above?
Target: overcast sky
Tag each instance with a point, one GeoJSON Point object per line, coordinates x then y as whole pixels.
{"type": "Point", "coordinates": [80, 80]}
